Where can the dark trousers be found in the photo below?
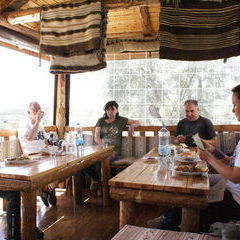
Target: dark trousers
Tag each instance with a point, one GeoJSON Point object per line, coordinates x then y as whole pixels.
{"type": "Point", "coordinates": [222, 211]}
{"type": "Point", "coordinates": [94, 172]}
{"type": "Point", "coordinates": [13, 213]}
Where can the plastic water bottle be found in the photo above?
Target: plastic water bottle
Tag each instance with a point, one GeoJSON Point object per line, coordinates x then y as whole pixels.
{"type": "Point", "coordinates": [79, 139]}
{"type": "Point", "coordinates": [163, 146]}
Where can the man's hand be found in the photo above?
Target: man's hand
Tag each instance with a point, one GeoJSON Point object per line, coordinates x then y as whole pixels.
{"type": "Point", "coordinates": [208, 146]}
{"type": "Point", "coordinates": [205, 155]}
{"type": "Point", "coordinates": [39, 115]}
{"type": "Point", "coordinates": [181, 138]}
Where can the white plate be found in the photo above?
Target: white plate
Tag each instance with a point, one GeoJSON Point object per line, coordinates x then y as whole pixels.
{"type": "Point", "coordinates": [18, 161]}
{"type": "Point", "coordinates": [189, 173]}
{"type": "Point", "coordinates": [187, 159]}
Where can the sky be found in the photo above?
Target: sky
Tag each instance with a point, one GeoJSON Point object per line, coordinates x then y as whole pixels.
{"type": "Point", "coordinates": [22, 80]}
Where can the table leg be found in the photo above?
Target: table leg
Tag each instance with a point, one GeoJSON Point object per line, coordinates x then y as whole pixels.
{"type": "Point", "coordinates": [190, 220]}
{"type": "Point", "coordinates": [77, 187]}
{"type": "Point", "coordinates": [126, 213]}
{"type": "Point", "coordinates": [29, 208]}
{"type": "Point", "coordinates": [105, 170]}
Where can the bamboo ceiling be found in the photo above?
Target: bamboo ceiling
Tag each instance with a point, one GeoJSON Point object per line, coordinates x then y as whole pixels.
{"type": "Point", "coordinates": [19, 20]}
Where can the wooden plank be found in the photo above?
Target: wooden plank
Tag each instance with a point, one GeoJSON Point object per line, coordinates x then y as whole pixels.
{"type": "Point", "coordinates": [20, 29]}
{"type": "Point", "coordinates": [33, 15]}
{"type": "Point", "coordinates": [50, 128]}
{"type": "Point", "coordinates": [13, 37]}
{"type": "Point", "coordinates": [11, 5]}
{"type": "Point", "coordinates": [22, 50]}
{"type": "Point", "coordinates": [126, 177]}
{"type": "Point", "coordinates": [145, 21]}
{"type": "Point", "coordinates": [159, 197]}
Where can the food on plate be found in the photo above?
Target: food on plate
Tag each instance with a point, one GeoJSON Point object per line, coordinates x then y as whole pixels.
{"type": "Point", "coordinates": [183, 145]}
{"type": "Point", "coordinates": [22, 157]}
{"type": "Point", "coordinates": [191, 168]}
{"type": "Point", "coordinates": [188, 154]}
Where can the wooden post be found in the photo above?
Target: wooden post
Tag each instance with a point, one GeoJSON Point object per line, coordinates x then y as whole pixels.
{"type": "Point", "coordinates": [60, 108]}
{"type": "Point", "coordinates": [190, 220]}
{"type": "Point", "coordinates": [77, 187]}
{"type": "Point", "coordinates": [105, 170]}
{"type": "Point", "coordinates": [126, 213]}
{"type": "Point", "coordinates": [29, 208]}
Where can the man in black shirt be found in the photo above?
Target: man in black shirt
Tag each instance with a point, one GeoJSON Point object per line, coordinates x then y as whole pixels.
{"type": "Point", "coordinates": [194, 123]}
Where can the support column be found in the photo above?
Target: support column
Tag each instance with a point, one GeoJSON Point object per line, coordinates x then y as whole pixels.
{"type": "Point", "coordinates": [60, 104]}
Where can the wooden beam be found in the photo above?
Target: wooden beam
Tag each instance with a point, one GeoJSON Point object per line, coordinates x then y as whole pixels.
{"type": "Point", "coordinates": [145, 21]}
{"type": "Point", "coordinates": [10, 5]}
{"type": "Point", "coordinates": [33, 14]}
{"type": "Point", "coordinates": [19, 28]}
{"type": "Point", "coordinates": [15, 38]}
{"type": "Point", "coordinates": [23, 50]}
{"type": "Point", "coordinates": [60, 108]}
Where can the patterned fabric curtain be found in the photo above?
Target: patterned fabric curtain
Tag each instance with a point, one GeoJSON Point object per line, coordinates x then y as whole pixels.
{"type": "Point", "coordinates": [74, 34]}
{"type": "Point", "coordinates": [199, 30]}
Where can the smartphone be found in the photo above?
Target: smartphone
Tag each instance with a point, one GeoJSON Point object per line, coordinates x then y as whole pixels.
{"type": "Point", "coordinates": [198, 141]}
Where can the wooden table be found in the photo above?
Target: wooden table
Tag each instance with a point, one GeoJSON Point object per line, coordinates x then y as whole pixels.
{"type": "Point", "coordinates": [145, 181]}
{"type": "Point", "coordinates": [136, 233]}
{"type": "Point", "coordinates": [27, 178]}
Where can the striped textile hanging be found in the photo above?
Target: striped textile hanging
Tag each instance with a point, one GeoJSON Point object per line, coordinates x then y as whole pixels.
{"type": "Point", "coordinates": [199, 30]}
{"type": "Point", "coordinates": [74, 34]}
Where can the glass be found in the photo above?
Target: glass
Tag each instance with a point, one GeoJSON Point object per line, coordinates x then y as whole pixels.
{"type": "Point", "coordinates": [53, 151]}
{"type": "Point", "coordinates": [67, 148]}
{"type": "Point", "coordinates": [106, 142]}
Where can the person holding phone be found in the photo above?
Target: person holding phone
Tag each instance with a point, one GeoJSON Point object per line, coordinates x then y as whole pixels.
{"type": "Point", "coordinates": [227, 209]}
{"type": "Point", "coordinates": [192, 124]}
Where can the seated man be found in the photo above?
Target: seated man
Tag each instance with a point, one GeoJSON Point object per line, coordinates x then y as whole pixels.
{"type": "Point", "coordinates": [32, 139]}
{"type": "Point", "coordinates": [192, 124]}
{"type": "Point", "coordinates": [224, 210]}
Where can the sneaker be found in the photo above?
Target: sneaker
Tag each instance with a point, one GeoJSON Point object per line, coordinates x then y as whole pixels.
{"type": "Point", "coordinates": [52, 199]}
{"type": "Point", "coordinates": [39, 234]}
{"type": "Point", "coordinates": [99, 191]}
{"type": "Point", "coordinates": [44, 198]}
{"type": "Point", "coordinates": [155, 223]}
{"type": "Point", "coordinates": [94, 186]}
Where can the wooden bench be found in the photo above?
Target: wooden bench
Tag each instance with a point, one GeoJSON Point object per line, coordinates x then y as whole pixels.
{"type": "Point", "coordinates": [10, 147]}
{"type": "Point", "coordinates": [136, 233]}
{"type": "Point", "coordinates": [146, 137]}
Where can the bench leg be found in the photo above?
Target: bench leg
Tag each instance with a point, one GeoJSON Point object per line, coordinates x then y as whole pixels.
{"type": "Point", "coordinates": [77, 187]}
{"type": "Point", "coordinates": [105, 175]}
{"type": "Point", "coordinates": [127, 211]}
{"type": "Point", "coordinates": [190, 220]}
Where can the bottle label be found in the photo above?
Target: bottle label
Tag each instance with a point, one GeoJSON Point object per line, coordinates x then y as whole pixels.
{"type": "Point", "coordinates": [79, 142]}
{"type": "Point", "coordinates": [163, 150]}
